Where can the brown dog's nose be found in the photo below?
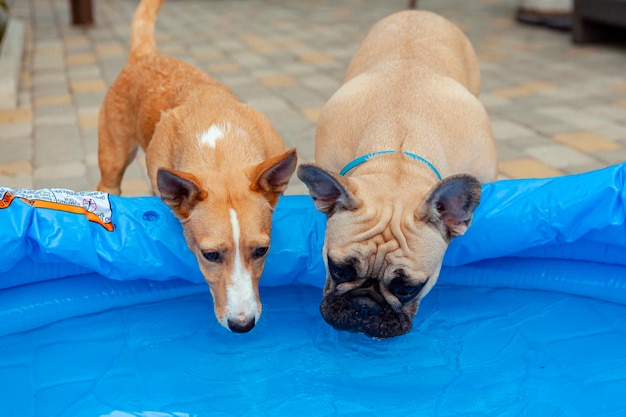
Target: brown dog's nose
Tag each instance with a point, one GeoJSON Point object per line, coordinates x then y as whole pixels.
{"type": "Point", "coordinates": [245, 326]}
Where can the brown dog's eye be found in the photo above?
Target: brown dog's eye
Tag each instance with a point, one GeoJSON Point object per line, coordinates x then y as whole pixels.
{"type": "Point", "coordinates": [341, 273]}
{"type": "Point", "coordinates": [212, 256]}
{"type": "Point", "coordinates": [260, 252]}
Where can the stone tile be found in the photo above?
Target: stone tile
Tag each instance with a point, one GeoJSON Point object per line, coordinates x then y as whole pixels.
{"type": "Point", "coordinates": [75, 40]}
{"type": "Point", "coordinates": [78, 49]}
{"type": "Point", "coordinates": [172, 50]}
{"type": "Point", "coordinates": [12, 169]}
{"type": "Point", "coordinates": [297, 68]}
{"type": "Point", "coordinates": [248, 59]}
{"type": "Point", "coordinates": [277, 80]}
{"type": "Point", "coordinates": [48, 78]}
{"type": "Point", "coordinates": [17, 181]}
{"type": "Point", "coordinates": [527, 168]}
{"type": "Point", "coordinates": [312, 113]}
{"type": "Point", "coordinates": [26, 80]}
{"type": "Point", "coordinates": [223, 67]}
{"type": "Point", "coordinates": [506, 151]}
{"type": "Point", "coordinates": [268, 103]}
{"type": "Point", "coordinates": [616, 113]}
{"type": "Point", "coordinates": [491, 101]}
{"type": "Point", "coordinates": [50, 90]}
{"type": "Point", "coordinates": [296, 187]}
{"type": "Point", "coordinates": [315, 58]}
{"type": "Point", "coordinates": [527, 142]}
{"type": "Point", "coordinates": [53, 100]}
{"type": "Point", "coordinates": [48, 62]}
{"type": "Point", "coordinates": [59, 171]}
{"type": "Point", "coordinates": [551, 127]}
{"type": "Point", "coordinates": [15, 116]}
{"type": "Point", "coordinates": [300, 97]}
{"type": "Point", "coordinates": [524, 89]}
{"type": "Point", "coordinates": [619, 86]}
{"type": "Point", "coordinates": [206, 54]}
{"type": "Point", "coordinates": [559, 156]}
{"type": "Point", "coordinates": [302, 138]}
{"type": "Point", "coordinates": [84, 72]}
{"type": "Point", "coordinates": [321, 83]}
{"type": "Point", "coordinates": [611, 157]}
{"type": "Point", "coordinates": [24, 99]}
{"type": "Point", "coordinates": [57, 144]}
{"type": "Point", "coordinates": [535, 83]}
{"type": "Point", "coordinates": [69, 183]}
{"type": "Point", "coordinates": [89, 99]}
{"type": "Point", "coordinates": [505, 130]}
{"type": "Point", "coordinates": [613, 131]}
{"type": "Point", "coordinates": [586, 141]}
{"type": "Point", "coordinates": [80, 59]}
{"type": "Point", "coordinates": [56, 132]}
{"type": "Point", "coordinates": [15, 130]}
{"type": "Point", "coordinates": [579, 169]}
{"type": "Point", "coordinates": [573, 117]}
{"type": "Point", "coordinates": [84, 86]}
{"type": "Point", "coordinates": [110, 49]}
{"type": "Point", "coordinates": [136, 187]}
{"type": "Point", "coordinates": [15, 150]}
{"type": "Point", "coordinates": [60, 109]}
{"type": "Point", "coordinates": [57, 118]}
{"type": "Point", "coordinates": [88, 121]}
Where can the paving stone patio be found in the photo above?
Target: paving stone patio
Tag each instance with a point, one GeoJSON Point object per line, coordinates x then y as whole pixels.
{"type": "Point", "coordinates": [556, 108]}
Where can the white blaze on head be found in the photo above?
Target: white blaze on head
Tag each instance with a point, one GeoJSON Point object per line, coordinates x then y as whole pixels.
{"type": "Point", "coordinates": [210, 136]}
{"type": "Point", "coordinates": [241, 302]}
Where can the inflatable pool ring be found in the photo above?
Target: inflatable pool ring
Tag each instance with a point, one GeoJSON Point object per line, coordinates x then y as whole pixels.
{"type": "Point", "coordinates": [103, 312]}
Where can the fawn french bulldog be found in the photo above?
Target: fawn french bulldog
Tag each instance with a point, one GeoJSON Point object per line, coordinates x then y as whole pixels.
{"type": "Point", "coordinates": [401, 151]}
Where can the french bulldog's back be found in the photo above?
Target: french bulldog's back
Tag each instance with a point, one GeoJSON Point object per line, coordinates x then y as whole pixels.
{"type": "Point", "coordinates": [410, 66]}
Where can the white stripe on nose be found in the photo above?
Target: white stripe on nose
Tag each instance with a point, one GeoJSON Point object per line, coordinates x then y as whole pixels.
{"type": "Point", "coordinates": [240, 299]}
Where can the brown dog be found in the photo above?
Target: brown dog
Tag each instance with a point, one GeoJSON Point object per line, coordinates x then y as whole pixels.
{"type": "Point", "coordinates": [402, 148]}
{"type": "Point", "coordinates": [216, 162]}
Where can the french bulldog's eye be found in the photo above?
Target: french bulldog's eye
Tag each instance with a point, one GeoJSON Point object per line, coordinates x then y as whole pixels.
{"type": "Point", "coordinates": [343, 273]}
{"type": "Point", "coordinates": [260, 252]}
{"type": "Point", "coordinates": [403, 292]}
{"type": "Point", "coordinates": [212, 256]}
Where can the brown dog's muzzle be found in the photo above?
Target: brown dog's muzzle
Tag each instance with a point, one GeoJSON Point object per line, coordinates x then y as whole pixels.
{"type": "Point", "coordinates": [364, 310]}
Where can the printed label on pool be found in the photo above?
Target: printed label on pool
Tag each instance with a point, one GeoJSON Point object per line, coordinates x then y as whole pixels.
{"type": "Point", "coordinates": [94, 205]}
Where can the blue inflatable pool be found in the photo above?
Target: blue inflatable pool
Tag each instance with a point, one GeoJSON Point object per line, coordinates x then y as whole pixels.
{"type": "Point", "coordinates": [103, 312]}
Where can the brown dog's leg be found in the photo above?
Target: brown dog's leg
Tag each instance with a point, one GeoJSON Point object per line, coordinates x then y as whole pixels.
{"type": "Point", "coordinates": [116, 151]}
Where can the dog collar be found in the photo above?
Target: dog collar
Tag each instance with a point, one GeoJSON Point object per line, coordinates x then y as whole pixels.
{"type": "Point", "coordinates": [369, 156]}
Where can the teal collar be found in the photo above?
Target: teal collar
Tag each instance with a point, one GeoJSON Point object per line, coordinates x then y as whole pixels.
{"type": "Point", "coordinates": [369, 156]}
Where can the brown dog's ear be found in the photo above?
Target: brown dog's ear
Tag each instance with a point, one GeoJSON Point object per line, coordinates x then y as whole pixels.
{"type": "Point", "coordinates": [272, 176]}
{"type": "Point", "coordinates": [179, 190]}
{"type": "Point", "coordinates": [452, 202]}
{"type": "Point", "coordinates": [329, 191]}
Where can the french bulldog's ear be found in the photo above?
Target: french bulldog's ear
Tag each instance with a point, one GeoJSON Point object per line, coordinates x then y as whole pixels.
{"type": "Point", "coordinates": [272, 176]}
{"type": "Point", "coordinates": [452, 203]}
{"type": "Point", "coordinates": [179, 190]}
{"type": "Point", "coordinates": [329, 191]}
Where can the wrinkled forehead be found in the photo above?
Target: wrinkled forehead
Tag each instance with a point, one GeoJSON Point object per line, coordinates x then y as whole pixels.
{"type": "Point", "coordinates": [384, 242]}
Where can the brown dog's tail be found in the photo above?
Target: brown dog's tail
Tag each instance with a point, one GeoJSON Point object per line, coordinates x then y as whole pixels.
{"type": "Point", "coordinates": [142, 29]}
